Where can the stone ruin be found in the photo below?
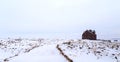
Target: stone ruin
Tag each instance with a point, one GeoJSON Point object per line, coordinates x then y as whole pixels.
{"type": "Point", "coordinates": [89, 34]}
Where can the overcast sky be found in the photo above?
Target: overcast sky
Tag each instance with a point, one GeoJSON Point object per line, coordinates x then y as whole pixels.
{"type": "Point", "coordinates": [65, 17]}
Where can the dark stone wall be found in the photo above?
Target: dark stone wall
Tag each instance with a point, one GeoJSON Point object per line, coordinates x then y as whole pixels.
{"type": "Point", "coordinates": [89, 34]}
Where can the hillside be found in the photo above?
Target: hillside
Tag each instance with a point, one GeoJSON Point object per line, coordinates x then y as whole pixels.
{"type": "Point", "coordinates": [59, 50]}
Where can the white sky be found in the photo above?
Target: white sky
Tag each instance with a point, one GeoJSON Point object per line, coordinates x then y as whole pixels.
{"type": "Point", "coordinates": [28, 17]}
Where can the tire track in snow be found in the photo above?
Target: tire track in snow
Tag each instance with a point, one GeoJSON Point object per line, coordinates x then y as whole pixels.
{"type": "Point", "coordinates": [65, 56]}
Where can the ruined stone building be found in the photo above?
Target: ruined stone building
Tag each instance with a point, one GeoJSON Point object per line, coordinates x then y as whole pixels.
{"type": "Point", "coordinates": [89, 34]}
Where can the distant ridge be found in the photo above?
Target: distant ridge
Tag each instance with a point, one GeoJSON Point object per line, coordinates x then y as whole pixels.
{"type": "Point", "coordinates": [115, 38]}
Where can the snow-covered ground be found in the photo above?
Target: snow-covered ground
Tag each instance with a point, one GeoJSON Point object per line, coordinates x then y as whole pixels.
{"type": "Point", "coordinates": [92, 51]}
{"type": "Point", "coordinates": [42, 54]}
{"type": "Point", "coordinates": [44, 50]}
{"type": "Point", "coordinates": [13, 47]}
